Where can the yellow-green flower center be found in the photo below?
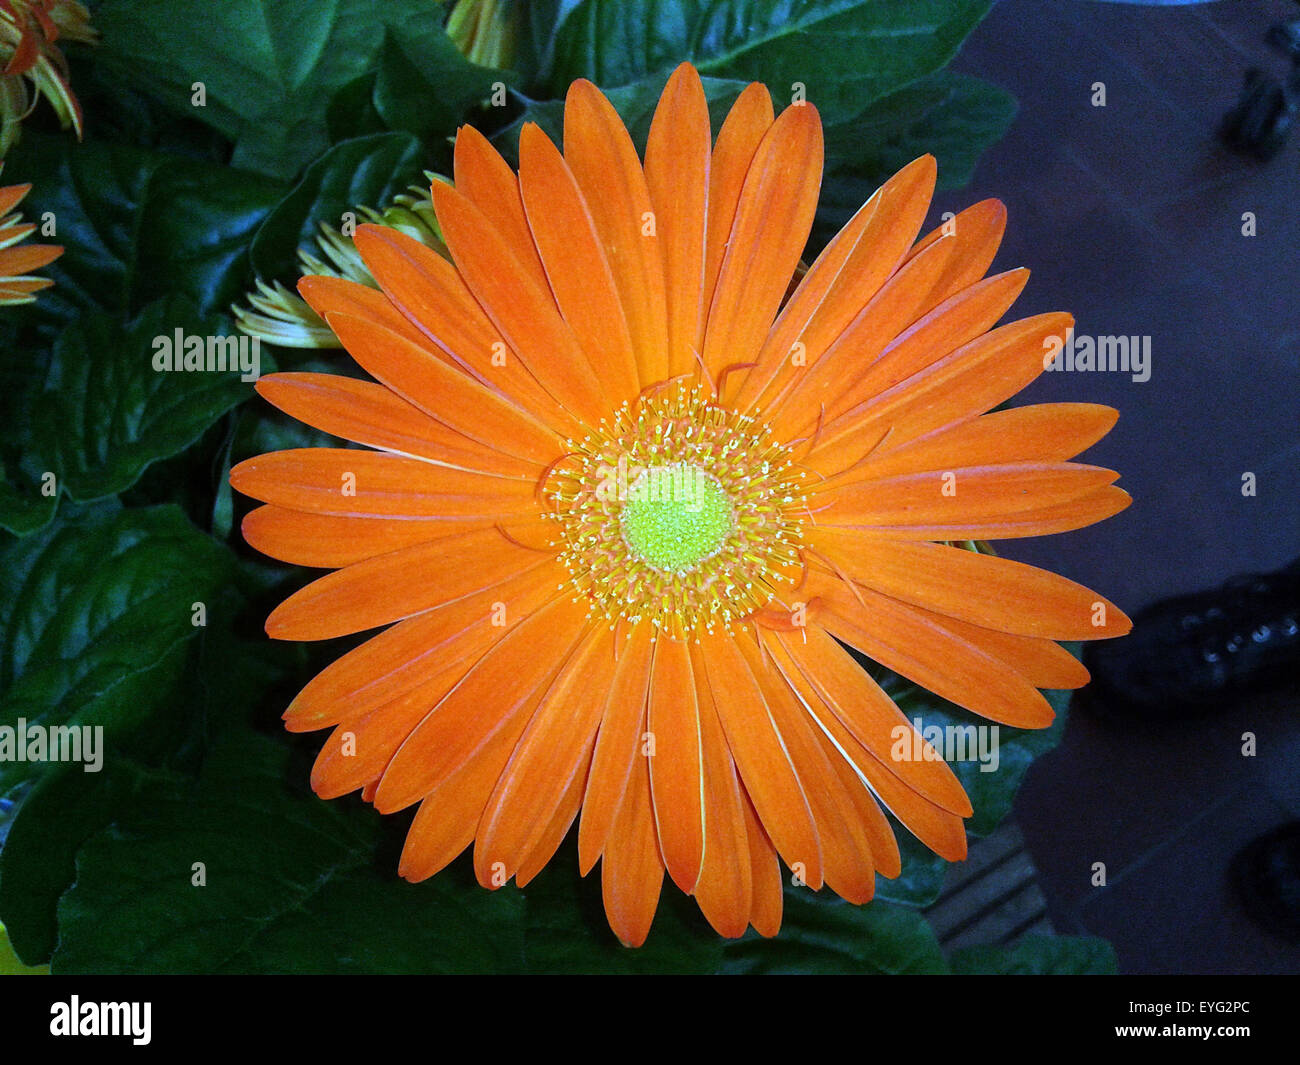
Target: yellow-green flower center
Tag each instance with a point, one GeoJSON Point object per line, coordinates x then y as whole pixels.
{"type": "Point", "coordinates": [676, 516]}
{"type": "Point", "coordinates": [678, 513]}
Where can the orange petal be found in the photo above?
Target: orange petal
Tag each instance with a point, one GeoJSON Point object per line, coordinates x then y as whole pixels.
{"type": "Point", "coordinates": [961, 495]}
{"type": "Point", "coordinates": [329, 541]}
{"type": "Point", "coordinates": [20, 289]}
{"type": "Point", "coordinates": [545, 763]}
{"type": "Point", "coordinates": [773, 219]}
{"type": "Point", "coordinates": [553, 832]}
{"type": "Point", "coordinates": [917, 646]}
{"type": "Point", "coordinates": [831, 384]}
{"type": "Point", "coordinates": [843, 280]}
{"type": "Point", "coordinates": [978, 231]}
{"type": "Point", "coordinates": [1036, 521]}
{"type": "Point", "coordinates": [1044, 432]}
{"type": "Point", "coordinates": [1044, 663]}
{"type": "Point", "coordinates": [675, 766]}
{"type": "Point", "coordinates": [968, 382]}
{"type": "Point", "coordinates": [523, 312]}
{"type": "Point", "coordinates": [445, 824]}
{"type": "Point", "coordinates": [846, 853]}
{"type": "Point", "coordinates": [451, 813]}
{"type": "Point", "coordinates": [444, 392]}
{"type": "Point", "coordinates": [746, 124]}
{"type": "Point", "coordinates": [430, 294]}
{"type": "Point", "coordinates": [375, 484]}
{"type": "Point", "coordinates": [631, 870]}
{"type": "Point", "coordinates": [984, 590]}
{"type": "Point", "coordinates": [449, 816]}
{"type": "Point", "coordinates": [677, 159]}
{"type": "Point", "coordinates": [791, 332]}
{"type": "Point", "coordinates": [399, 584]}
{"type": "Point", "coordinates": [939, 829]}
{"type": "Point", "coordinates": [943, 832]}
{"type": "Point", "coordinates": [617, 746]}
{"type": "Point", "coordinates": [12, 195]}
{"type": "Point", "coordinates": [960, 320]}
{"type": "Point", "coordinates": [14, 262]}
{"type": "Point", "coordinates": [762, 758]}
{"type": "Point", "coordinates": [831, 684]}
{"type": "Point", "coordinates": [765, 874]}
{"type": "Point", "coordinates": [875, 825]}
{"type": "Point", "coordinates": [12, 232]}
{"type": "Point", "coordinates": [490, 185]}
{"type": "Point", "coordinates": [373, 415]}
{"type": "Point", "coordinates": [484, 715]}
{"type": "Point", "coordinates": [724, 888]}
{"type": "Point", "coordinates": [604, 161]}
{"type": "Point", "coordinates": [337, 295]}
{"type": "Point", "coordinates": [26, 51]}
{"type": "Point", "coordinates": [412, 651]}
{"type": "Point", "coordinates": [576, 267]}
{"type": "Point", "coordinates": [358, 752]}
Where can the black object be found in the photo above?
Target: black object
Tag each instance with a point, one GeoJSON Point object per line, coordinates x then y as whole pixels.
{"type": "Point", "coordinates": [1198, 653]}
{"type": "Point", "coordinates": [1266, 877]}
{"type": "Point", "coordinates": [1261, 122]}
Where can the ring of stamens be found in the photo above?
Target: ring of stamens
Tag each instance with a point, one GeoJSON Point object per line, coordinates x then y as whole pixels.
{"type": "Point", "coordinates": [679, 513]}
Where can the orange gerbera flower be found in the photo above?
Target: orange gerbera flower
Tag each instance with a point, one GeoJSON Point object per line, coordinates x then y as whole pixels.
{"type": "Point", "coordinates": [17, 284]}
{"type": "Point", "coordinates": [28, 31]}
{"type": "Point", "coordinates": [627, 498]}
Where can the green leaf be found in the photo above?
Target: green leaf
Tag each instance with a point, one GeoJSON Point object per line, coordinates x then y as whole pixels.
{"type": "Point", "coordinates": [922, 875]}
{"type": "Point", "coordinates": [52, 820]}
{"type": "Point", "coordinates": [96, 615]}
{"type": "Point", "coordinates": [363, 172]}
{"type": "Point", "coordinates": [821, 933]}
{"type": "Point", "coordinates": [119, 114]}
{"type": "Point", "coordinates": [24, 509]}
{"type": "Point", "coordinates": [26, 505]}
{"type": "Point", "coordinates": [352, 113]}
{"type": "Point", "coordinates": [138, 225]}
{"type": "Point", "coordinates": [1039, 955]}
{"type": "Point", "coordinates": [845, 53]}
{"type": "Point", "coordinates": [106, 413]}
{"type": "Point", "coordinates": [291, 885]}
{"type": "Point", "coordinates": [230, 682]}
{"type": "Point", "coordinates": [951, 116]}
{"type": "Point", "coordinates": [10, 965]}
{"type": "Point", "coordinates": [269, 85]}
{"type": "Point", "coordinates": [535, 37]}
{"type": "Point", "coordinates": [429, 92]}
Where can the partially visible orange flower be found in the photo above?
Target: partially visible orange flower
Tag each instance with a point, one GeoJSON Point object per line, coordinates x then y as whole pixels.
{"type": "Point", "coordinates": [17, 285]}
{"type": "Point", "coordinates": [623, 501]}
{"type": "Point", "coordinates": [28, 32]}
